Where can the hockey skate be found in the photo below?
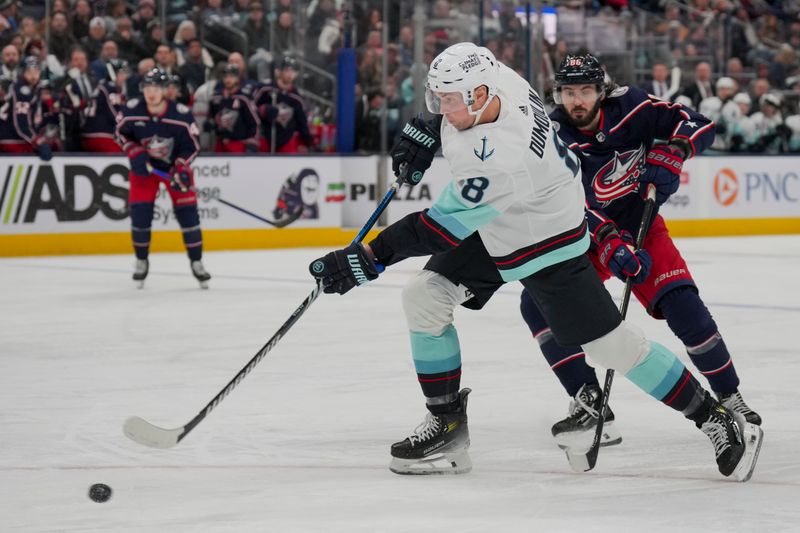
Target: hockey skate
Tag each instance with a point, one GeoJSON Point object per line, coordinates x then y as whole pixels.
{"type": "Point", "coordinates": [736, 441]}
{"type": "Point", "coordinates": [199, 272]}
{"type": "Point", "coordinates": [734, 402]}
{"type": "Point", "coordinates": [438, 446]}
{"type": "Point", "coordinates": [140, 270]}
{"type": "Point", "coordinates": [578, 428]}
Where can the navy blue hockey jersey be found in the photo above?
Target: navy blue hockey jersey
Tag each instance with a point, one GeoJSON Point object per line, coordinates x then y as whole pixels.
{"type": "Point", "coordinates": [234, 116]}
{"type": "Point", "coordinates": [284, 110]}
{"type": "Point", "coordinates": [102, 110]}
{"type": "Point", "coordinates": [613, 157]}
{"type": "Point", "coordinates": [169, 138]}
{"type": "Point", "coordinates": [19, 114]}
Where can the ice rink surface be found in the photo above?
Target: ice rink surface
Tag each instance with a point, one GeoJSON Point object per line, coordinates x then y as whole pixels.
{"type": "Point", "coordinates": [302, 445]}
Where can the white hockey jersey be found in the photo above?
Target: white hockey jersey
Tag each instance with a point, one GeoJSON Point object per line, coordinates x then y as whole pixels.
{"type": "Point", "coordinates": [516, 183]}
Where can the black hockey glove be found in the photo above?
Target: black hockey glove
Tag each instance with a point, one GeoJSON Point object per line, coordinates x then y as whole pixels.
{"type": "Point", "coordinates": [418, 143]}
{"type": "Point", "coordinates": [45, 152]}
{"type": "Point", "coordinates": [341, 270]}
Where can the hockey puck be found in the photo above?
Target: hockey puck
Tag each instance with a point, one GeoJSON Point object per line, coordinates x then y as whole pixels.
{"type": "Point", "coordinates": [100, 492]}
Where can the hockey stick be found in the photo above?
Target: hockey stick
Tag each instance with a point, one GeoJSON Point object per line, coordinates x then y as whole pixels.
{"type": "Point", "coordinates": [586, 460]}
{"type": "Point", "coordinates": [276, 223]}
{"type": "Point", "coordinates": [145, 433]}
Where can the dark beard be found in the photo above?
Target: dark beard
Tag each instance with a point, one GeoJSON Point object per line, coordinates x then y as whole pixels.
{"type": "Point", "coordinates": [590, 116]}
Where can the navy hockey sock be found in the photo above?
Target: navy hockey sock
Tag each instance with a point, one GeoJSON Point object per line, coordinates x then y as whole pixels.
{"type": "Point", "coordinates": [691, 321]}
{"type": "Point", "coordinates": [141, 221]}
{"type": "Point", "coordinates": [189, 220]}
{"type": "Point", "coordinates": [567, 362]}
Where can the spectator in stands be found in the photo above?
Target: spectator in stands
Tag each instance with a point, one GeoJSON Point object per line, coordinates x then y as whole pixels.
{"type": "Point", "coordinates": [10, 56]}
{"type": "Point", "coordinates": [81, 14]}
{"type": "Point", "coordinates": [759, 87]}
{"type": "Point", "coordinates": [61, 39]}
{"type": "Point", "coordinates": [735, 69]}
{"type": "Point", "coordinates": [98, 34]}
{"type": "Point", "coordinates": [369, 68]}
{"type": "Point", "coordinates": [29, 30]}
{"type": "Point", "coordinates": [78, 95]}
{"type": "Point", "coordinates": [185, 33]}
{"type": "Point", "coordinates": [8, 18]}
{"type": "Point", "coordinates": [407, 45]}
{"type": "Point", "coordinates": [145, 13]}
{"type": "Point", "coordinates": [782, 65]}
{"type": "Point", "coordinates": [769, 30]}
{"type": "Point", "coordinates": [256, 27]}
{"type": "Point", "coordinates": [108, 52]}
{"type": "Point", "coordinates": [368, 121]}
{"type": "Point", "coordinates": [701, 88]}
{"type": "Point", "coordinates": [129, 48]}
{"type": "Point", "coordinates": [51, 68]}
{"type": "Point", "coordinates": [153, 37]}
{"type": "Point", "coordinates": [284, 38]}
{"type": "Point", "coordinates": [194, 70]}
{"type": "Point", "coordinates": [659, 85]}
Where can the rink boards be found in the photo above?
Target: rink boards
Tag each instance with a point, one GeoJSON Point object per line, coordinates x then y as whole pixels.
{"type": "Point", "coordinates": [78, 204]}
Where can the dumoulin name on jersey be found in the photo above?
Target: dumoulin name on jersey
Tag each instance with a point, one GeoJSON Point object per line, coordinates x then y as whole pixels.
{"type": "Point", "coordinates": [613, 157]}
{"type": "Point", "coordinates": [168, 138]}
{"type": "Point", "coordinates": [514, 182]}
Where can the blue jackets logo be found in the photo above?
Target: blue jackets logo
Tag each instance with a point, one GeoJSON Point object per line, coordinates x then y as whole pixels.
{"type": "Point", "coordinates": [620, 176]}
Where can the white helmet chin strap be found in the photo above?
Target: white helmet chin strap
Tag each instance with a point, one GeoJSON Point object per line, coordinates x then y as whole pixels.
{"type": "Point", "coordinates": [477, 114]}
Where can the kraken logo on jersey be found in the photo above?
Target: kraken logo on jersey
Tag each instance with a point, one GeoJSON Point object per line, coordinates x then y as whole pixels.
{"type": "Point", "coordinates": [160, 148]}
{"type": "Point", "coordinates": [619, 176]}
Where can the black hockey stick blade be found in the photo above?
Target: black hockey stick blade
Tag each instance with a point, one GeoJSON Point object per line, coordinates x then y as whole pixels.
{"type": "Point", "coordinates": [585, 460]}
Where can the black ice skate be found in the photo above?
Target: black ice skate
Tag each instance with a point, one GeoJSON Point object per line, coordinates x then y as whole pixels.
{"type": "Point", "coordinates": [578, 428]}
{"type": "Point", "coordinates": [438, 446]}
{"type": "Point", "coordinates": [199, 272]}
{"type": "Point", "coordinates": [736, 441]}
{"type": "Point", "coordinates": [734, 402]}
{"type": "Point", "coordinates": [140, 270]}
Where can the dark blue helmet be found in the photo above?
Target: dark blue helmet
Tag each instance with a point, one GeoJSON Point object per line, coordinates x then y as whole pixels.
{"type": "Point", "coordinates": [115, 66]}
{"type": "Point", "coordinates": [155, 76]}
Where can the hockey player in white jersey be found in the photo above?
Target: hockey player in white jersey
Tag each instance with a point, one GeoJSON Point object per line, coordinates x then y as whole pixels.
{"type": "Point", "coordinates": [514, 211]}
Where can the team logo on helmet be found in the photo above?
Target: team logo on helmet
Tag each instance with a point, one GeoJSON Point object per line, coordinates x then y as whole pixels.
{"type": "Point", "coordinates": [160, 148]}
{"type": "Point", "coordinates": [620, 176]}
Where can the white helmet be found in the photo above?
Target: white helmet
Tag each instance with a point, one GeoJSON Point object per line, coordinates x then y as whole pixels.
{"type": "Point", "coordinates": [462, 68]}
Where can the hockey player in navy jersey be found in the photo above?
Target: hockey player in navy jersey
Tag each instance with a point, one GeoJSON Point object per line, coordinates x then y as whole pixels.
{"type": "Point", "coordinates": [280, 108]}
{"type": "Point", "coordinates": [232, 113]}
{"type": "Point", "coordinates": [100, 124]}
{"type": "Point", "coordinates": [22, 118]}
{"type": "Point", "coordinates": [613, 130]}
{"type": "Point", "coordinates": [513, 212]}
{"type": "Point", "coordinates": [160, 138]}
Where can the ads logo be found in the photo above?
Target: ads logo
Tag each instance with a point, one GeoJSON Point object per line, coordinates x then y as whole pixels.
{"type": "Point", "coordinates": [726, 187]}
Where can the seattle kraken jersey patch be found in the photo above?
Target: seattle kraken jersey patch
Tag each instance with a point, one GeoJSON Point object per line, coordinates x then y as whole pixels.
{"type": "Point", "coordinates": [484, 155]}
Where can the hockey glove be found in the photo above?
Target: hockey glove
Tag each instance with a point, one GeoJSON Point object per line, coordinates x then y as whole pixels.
{"type": "Point", "coordinates": [617, 253]}
{"type": "Point", "coordinates": [419, 141]}
{"type": "Point", "coordinates": [45, 152]}
{"type": "Point", "coordinates": [341, 270]}
{"type": "Point", "coordinates": [664, 164]}
{"type": "Point", "coordinates": [181, 178]}
{"type": "Point", "coordinates": [139, 159]}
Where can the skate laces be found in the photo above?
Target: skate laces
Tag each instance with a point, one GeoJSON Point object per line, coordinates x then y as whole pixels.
{"type": "Point", "coordinates": [735, 402]}
{"type": "Point", "coordinates": [581, 403]}
{"type": "Point", "coordinates": [716, 430]}
{"type": "Point", "coordinates": [427, 429]}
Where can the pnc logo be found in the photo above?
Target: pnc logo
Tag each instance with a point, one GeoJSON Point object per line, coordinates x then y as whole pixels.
{"type": "Point", "coordinates": [726, 186]}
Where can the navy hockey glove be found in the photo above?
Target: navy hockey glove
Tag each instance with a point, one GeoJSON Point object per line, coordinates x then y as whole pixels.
{"type": "Point", "coordinates": [45, 152]}
{"type": "Point", "coordinates": [419, 141]}
{"type": "Point", "coordinates": [139, 160]}
{"type": "Point", "coordinates": [341, 270]}
{"type": "Point", "coordinates": [617, 253]}
{"type": "Point", "coordinates": [664, 164]}
{"type": "Point", "coordinates": [181, 178]}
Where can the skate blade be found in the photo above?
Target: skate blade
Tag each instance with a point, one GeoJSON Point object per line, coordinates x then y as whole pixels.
{"type": "Point", "coordinates": [439, 463]}
{"type": "Point", "coordinates": [139, 284]}
{"type": "Point", "coordinates": [753, 436]}
{"type": "Point", "coordinates": [203, 285]}
{"type": "Point", "coordinates": [580, 440]}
